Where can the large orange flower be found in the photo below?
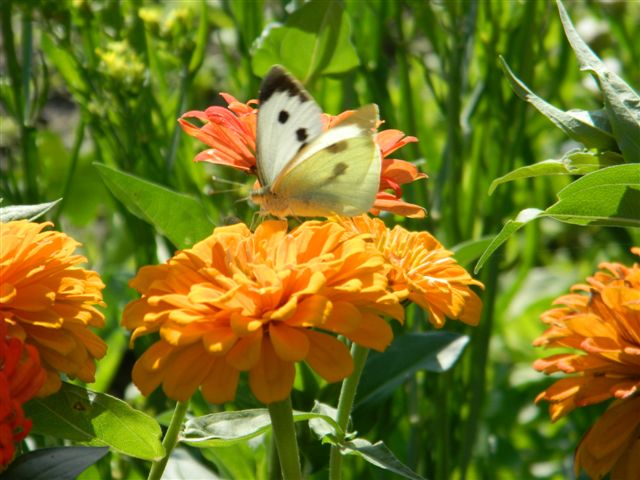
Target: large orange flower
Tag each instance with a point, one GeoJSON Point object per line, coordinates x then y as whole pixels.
{"type": "Point", "coordinates": [601, 323]}
{"type": "Point", "coordinates": [423, 271]}
{"type": "Point", "coordinates": [21, 376]}
{"type": "Point", "coordinates": [48, 302]}
{"type": "Point", "coordinates": [231, 134]}
{"type": "Point", "coordinates": [259, 302]}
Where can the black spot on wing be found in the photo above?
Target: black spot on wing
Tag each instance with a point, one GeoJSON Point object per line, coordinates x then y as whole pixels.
{"type": "Point", "coordinates": [301, 134]}
{"type": "Point", "coordinates": [283, 116]}
{"type": "Point", "coordinates": [278, 80]}
{"type": "Point", "coordinates": [339, 169]}
{"type": "Point", "coordinates": [338, 146]}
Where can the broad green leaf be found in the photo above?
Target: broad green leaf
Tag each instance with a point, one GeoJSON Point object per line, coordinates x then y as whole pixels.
{"type": "Point", "coordinates": [97, 419]}
{"type": "Point", "coordinates": [621, 101]}
{"type": "Point", "coordinates": [314, 41]}
{"type": "Point", "coordinates": [511, 227]}
{"type": "Point", "coordinates": [589, 128]}
{"type": "Point", "coordinates": [29, 212]}
{"type": "Point", "coordinates": [573, 163]}
{"type": "Point", "coordinates": [181, 218]}
{"type": "Point", "coordinates": [227, 428]}
{"type": "Point", "coordinates": [324, 429]}
{"type": "Point", "coordinates": [408, 354]}
{"type": "Point", "coordinates": [379, 455]}
{"type": "Point", "coordinates": [609, 196]}
{"type": "Point", "coordinates": [61, 463]}
{"type": "Point", "coordinates": [240, 460]}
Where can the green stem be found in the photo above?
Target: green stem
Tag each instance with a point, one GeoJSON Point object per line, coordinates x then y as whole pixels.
{"type": "Point", "coordinates": [75, 154]}
{"type": "Point", "coordinates": [284, 431]}
{"type": "Point", "coordinates": [185, 81]}
{"type": "Point", "coordinates": [347, 396]}
{"type": "Point", "coordinates": [170, 440]}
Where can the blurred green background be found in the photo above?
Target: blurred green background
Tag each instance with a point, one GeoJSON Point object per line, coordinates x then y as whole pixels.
{"type": "Point", "coordinates": [104, 81]}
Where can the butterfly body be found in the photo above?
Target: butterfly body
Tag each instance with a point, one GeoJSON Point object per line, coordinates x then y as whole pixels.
{"type": "Point", "coordinates": [304, 171]}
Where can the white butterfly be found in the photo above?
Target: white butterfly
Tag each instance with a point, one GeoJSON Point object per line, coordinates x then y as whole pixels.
{"type": "Point", "coordinates": [303, 171]}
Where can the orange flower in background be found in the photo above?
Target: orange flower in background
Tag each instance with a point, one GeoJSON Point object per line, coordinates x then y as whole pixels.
{"type": "Point", "coordinates": [48, 302]}
{"type": "Point", "coordinates": [231, 134]}
{"type": "Point", "coordinates": [259, 302]}
{"type": "Point", "coordinates": [21, 376]}
{"type": "Point", "coordinates": [600, 322]}
{"type": "Point", "coordinates": [423, 271]}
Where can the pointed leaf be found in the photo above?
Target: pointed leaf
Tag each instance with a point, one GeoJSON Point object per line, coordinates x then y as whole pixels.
{"type": "Point", "coordinates": [379, 455]}
{"type": "Point", "coordinates": [621, 101]}
{"type": "Point", "coordinates": [81, 415]}
{"type": "Point", "coordinates": [181, 218]}
{"type": "Point", "coordinates": [573, 163]}
{"type": "Point", "coordinates": [589, 128]}
{"type": "Point", "coordinates": [511, 227]}
{"type": "Point", "coordinates": [61, 463]}
{"type": "Point", "coordinates": [469, 251]}
{"type": "Point", "coordinates": [408, 354]}
{"type": "Point", "coordinates": [314, 41]}
{"type": "Point", "coordinates": [29, 212]}
{"type": "Point", "coordinates": [227, 428]}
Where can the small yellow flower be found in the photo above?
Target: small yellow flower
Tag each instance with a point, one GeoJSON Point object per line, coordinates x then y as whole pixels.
{"type": "Point", "coordinates": [259, 302]}
{"type": "Point", "coordinates": [602, 326]}
{"type": "Point", "coordinates": [423, 271]}
{"type": "Point", "coordinates": [48, 302]}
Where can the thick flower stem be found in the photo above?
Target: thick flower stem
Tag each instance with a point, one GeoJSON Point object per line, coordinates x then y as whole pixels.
{"type": "Point", "coordinates": [284, 431]}
{"type": "Point", "coordinates": [345, 403]}
{"type": "Point", "coordinates": [170, 440]}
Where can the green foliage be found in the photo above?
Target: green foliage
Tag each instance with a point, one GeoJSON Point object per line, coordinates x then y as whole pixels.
{"type": "Point", "coordinates": [91, 92]}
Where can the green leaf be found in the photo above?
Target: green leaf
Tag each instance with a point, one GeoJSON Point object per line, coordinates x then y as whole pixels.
{"type": "Point", "coordinates": [511, 227]}
{"type": "Point", "coordinates": [379, 455]}
{"type": "Point", "coordinates": [201, 39]}
{"type": "Point", "coordinates": [621, 101]}
{"type": "Point", "coordinates": [608, 197]}
{"type": "Point", "coordinates": [64, 63]}
{"type": "Point", "coordinates": [573, 163]}
{"type": "Point", "coordinates": [466, 252]}
{"type": "Point", "coordinates": [314, 41]}
{"type": "Point", "coordinates": [97, 419]}
{"type": "Point", "coordinates": [227, 428]}
{"type": "Point", "coordinates": [589, 128]}
{"type": "Point", "coordinates": [30, 212]}
{"type": "Point", "coordinates": [408, 354]}
{"type": "Point", "coordinates": [181, 218]}
{"type": "Point", "coordinates": [61, 463]}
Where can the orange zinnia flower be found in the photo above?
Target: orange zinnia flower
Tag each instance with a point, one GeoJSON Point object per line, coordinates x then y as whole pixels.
{"type": "Point", "coordinates": [259, 302]}
{"type": "Point", "coordinates": [423, 271]}
{"type": "Point", "coordinates": [21, 376]}
{"type": "Point", "coordinates": [603, 324]}
{"type": "Point", "coordinates": [48, 302]}
{"type": "Point", "coordinates": [231, 134]}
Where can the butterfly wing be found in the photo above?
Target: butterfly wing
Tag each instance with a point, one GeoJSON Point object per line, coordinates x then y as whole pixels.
{"type": "Point", "coordinates": [338, 173]}
{"type": "Point", "coordinates": [288, 119]}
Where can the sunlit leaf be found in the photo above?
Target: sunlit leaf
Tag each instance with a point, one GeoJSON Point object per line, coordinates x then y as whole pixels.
{"type": "Point", "coordinates": [573, 163]}
{"type": "Point", "coordinates": [181, 218]}
{"type": "Point", "coordinates": [61, 463]}
{"type": "Point", "coordinates": [408, 354]}
{"type": "Point", "coordinates": [227, 428]}
{"type": "Point", "coordinates": [314, 41]}
{"type": "Point", "coordinates": [621, 101]}
{"type": "Point", "coordinates": [379, 455]}
{"type": "Point", "coordinates": [592, 129]}
{"type": "Point", "coordinates": [28, 212]}
{"type": "Point", "coordinates": [97, 419]}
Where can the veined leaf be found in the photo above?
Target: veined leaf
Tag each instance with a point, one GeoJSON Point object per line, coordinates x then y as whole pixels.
{"type": "Point", "coordinates": [573, 163]}
{"type": "Point", "coordinates": [227, 428]}
{"type": "Point", "coordinates": [409, 353]}
{"type": "Point", "coordinates": [379, 455]}
{"type": "Point", "coordinates": [609, 196]}
{"type": "Point", "coordinates": [314, 41]}
{"type": "Point", "coordinates": [97, 419]}
{"type": "Point", "coordinates": [621, 101]}
{"type": "Point", "coordinates": [29, 212]}
{"type": "Point", "coordinates": [180, 217]}
{"type": "Point", "coordinates": [61, 463]}
{"type": "Point", "coordinates": [592, 129]}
